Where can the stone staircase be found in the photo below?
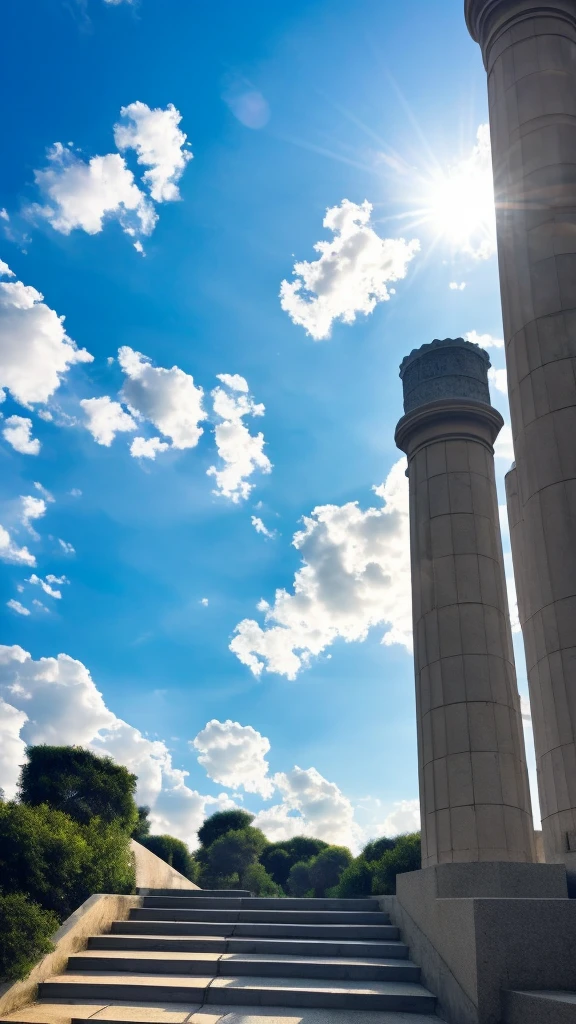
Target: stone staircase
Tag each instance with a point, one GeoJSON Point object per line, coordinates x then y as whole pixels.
{"type": "Point", "coordinates": [225, 956]}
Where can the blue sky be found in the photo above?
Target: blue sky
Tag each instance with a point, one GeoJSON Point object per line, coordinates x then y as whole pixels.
{"type": "Point", "coordinates": [288, 109]}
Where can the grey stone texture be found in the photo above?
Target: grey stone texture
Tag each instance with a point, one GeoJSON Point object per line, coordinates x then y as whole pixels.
{"type": "Point", "coordinates": [452, 368]}
{"type": "Point", "coordinates": [474, 792]}
{"type": "Point", "coordinates": [529, 51]}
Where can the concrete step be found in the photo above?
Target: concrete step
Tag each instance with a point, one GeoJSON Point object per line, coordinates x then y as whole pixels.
{"type": "Point", "coordinates": [192, 893]}
{"type": "Point", "coordinates": [147, 926]}
{"type": "Point", "coordinates": [119, 1012]}
{"type": "Point", "coordinates": [151, 912]}
{"type": "Point", "coordinates": [540, 1007]}
{"type": "Point", "coordinates": [227, 964]}
{"type": "Point", "coordinates": [219, 944]}
{"type": "Point", "coordinates": [259, 903]}
{"type": "Point", "coordinates": [234, 990]}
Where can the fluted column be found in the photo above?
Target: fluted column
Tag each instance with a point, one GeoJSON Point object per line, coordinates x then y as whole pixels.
{"type": "Point", "coordinates": [474, 795]}
{"type": "Point", "coordinates": [529, 51]}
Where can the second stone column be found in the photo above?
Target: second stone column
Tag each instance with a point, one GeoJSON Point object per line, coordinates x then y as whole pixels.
{"type": "Point", "coordinates": [474, 794]}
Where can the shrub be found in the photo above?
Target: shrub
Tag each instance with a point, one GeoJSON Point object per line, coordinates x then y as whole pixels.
{"type": "Point", "coordinates": [79, 783]}
{"type": "Point", "coordinates": [277, 863]}
{"type": "Point", "coordinates": [141, 830]}
{"type": "Point", "coordinates": [279, 858]}
{"type": "Point", "coordinates": [235, 851]}
{"type": "Point", "coordinates": [222, 822]}
{"type": "Point", "coordinates": [406, 856]}
{"type": "Point", "coordinates": [327, 867]}
{"type": "Point", "coordinates": [375, 850]}
{"type": "Point", "coordinates": [259, 882]}
{"type": "Point", "coordinates": [299, 882]}
{"type": "Point", "coordinates": [26, 930]}
{"type": "Point", "coordinates": [356, 880]}
{"type": "Point", "coordinates": [174, 852]}
{"type": "Point", "coordinates": [58, 862]}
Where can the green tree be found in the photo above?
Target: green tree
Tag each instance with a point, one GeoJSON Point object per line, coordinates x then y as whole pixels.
{"type": "Point", "coordinates": [277, 862]}
{"type": "Point", "coordinates": [235, 851]}
{"type": "Point", "coordinates": [355, 880]}
{"type": "Point", "coordinates": [259, 882]}
{"type": "Point", "coordinates": [26, 931]}
{"type": "Point", "coordinates": [141, 829]}
{"type": "Point", "coordinates": [279, 858]}
{"type": "Point", "coordinates": [299, 882]}
{"type": "Point", "coordinates": [406, 856]}
{"type": "Point", "coordinates": [79, 783]}
{"type": "Point", "coordinates": [327, 867]}
{"type": "Point", "coordinates": [377, 847]}
{"type": "Point", "coordinates": [220, 823]}
{"type": "Point", "coordinates": [57, 861]}
{"type": "Point", "coordinates": [174, 852]}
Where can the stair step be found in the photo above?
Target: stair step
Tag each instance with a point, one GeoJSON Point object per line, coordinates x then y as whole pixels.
{"type": "Point", "coordinates": [151, 912]}
{"type": "Point", "coordinates": [259, 903]}
{"type": "Point", "coordinates": [147, 926]}
{"type": "Point", "coordinates": [192, 893]}
{"type": "Point", "coordinates": [273, 965]}
{"type": "Point", "coordinates": [352, 995]}
{"type": "Point", "coordinates": [219, 944]}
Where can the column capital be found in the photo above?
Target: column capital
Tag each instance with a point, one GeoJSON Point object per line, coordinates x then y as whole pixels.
{"type": "Point", "coordinates": [487, 19]}
{"type": "Point", "coordinates": [448, 419]}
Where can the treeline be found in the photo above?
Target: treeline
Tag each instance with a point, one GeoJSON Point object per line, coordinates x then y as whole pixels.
{"type": "Point", "coordinates": [68, 836]}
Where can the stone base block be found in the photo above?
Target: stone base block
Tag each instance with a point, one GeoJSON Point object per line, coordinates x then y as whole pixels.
{"type": "Point", "coordinates": [480, 930]}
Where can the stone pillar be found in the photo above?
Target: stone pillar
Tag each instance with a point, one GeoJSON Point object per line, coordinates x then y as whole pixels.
{"type": "Point", "coordinates": [529, 51]}
{"type": "Point", "coordinates": [474, 794]}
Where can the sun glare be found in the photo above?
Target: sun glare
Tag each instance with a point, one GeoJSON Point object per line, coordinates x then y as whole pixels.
{"type": "Point", "coordinates": [461, 201]}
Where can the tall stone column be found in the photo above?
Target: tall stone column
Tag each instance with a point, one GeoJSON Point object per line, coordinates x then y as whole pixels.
{"type": "Point", "coordinates": [474, 794]}
{"type": "Point", "coordinates": [529, 51]}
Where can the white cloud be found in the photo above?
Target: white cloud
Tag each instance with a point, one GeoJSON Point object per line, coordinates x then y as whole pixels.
{"type": "Point", "coordinates": [234, 381]}
{"type": "Point", "coordinates": [484, 340]}
{"type": "Point", "coordinates": [404, 817]}
{"type": "Point", "coordinates": [4, 214]}
{"type": "Point", "coordinates": [84, 195]}
{"type": "Point", "coordinates": [504, 446]}
{"type": "Point", "coordinates": [234, 756]}
{"type": "Point", "coordinates": [204, 601]}
{"type": "Point", "coordinates": [356, 574]}
{"type": "Point", "coordinates": [241, 452]}
{"type": "Point", "coordinates": [17, 431]}
{"type": "Point", "coordinates": [260, 527]}
{"type": "Point", "coordinates": [54, 700]}
{"type": "Point", "coordinates": [105, 418]}
{"type": "Point", "coordinates": [12, 748]}
{"type": "Point", "coordinates": [350, 276]}
{"type": "Point", "coordinates": [43, 491]}
{"type": "Point", "coordinates": [499, 379]}
{"type": "Point", "coordinates": [159, 143]}
{"type": "Point", "coordinates": [10, 552]}
{"type": "Point", "coordinates": [35, 351]}
{"type": "Point", "coordinates": [67, 548]}
{"type": "Point", "coordinates": [46, 584]}
{"type": "Point", "coordinates": [75, 492]}
{"type": "Point", "coordinates": [455, 287]}
{"type": "Point", "coordinates": [147, 448]}
{"type": "Point", "coordinates": [16, 606]}
{"type": "Point", "coordinates": [525, 710]}
{"type": "Point", "coordinates": [322, 809]}
{"type": "Point", "coordinates": [168, 398]}
{"type": "Point", "coordinates": [31, 508]}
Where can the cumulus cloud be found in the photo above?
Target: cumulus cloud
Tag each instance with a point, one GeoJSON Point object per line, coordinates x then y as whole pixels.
{"type": "Point", "coordinates": [320, 807]}
{"type": "Point", "coordinates": [10, 552]}
{"type": "Point", "coordinates": [499, 380]}
{"type": "Point", "coordinates": [260, 527]}
{"type": "Point", "coordinates": [525, 710]}
{"type": "Point", "coordinates": [355, 574]}
{"type": "Point", "coordinates": [351, 275]}
{"type": "Point", "coordinates": [17, 607]}
{"type": "Point", "coordinates": [31, 508]}
{"type": "Point", "coordinates": [43, 491]}
{"type": "Point", "coordinates": [147, 448]}
{"type": "Point", "coordinates": [84, 194]}
{"type": "Point", "coordinates": [234, 756]}
{"type": "Point", "coordinates": [455, 287]}
{"type": "Point", "coordinates": [159, 144]}
{"type": "Point", "coordinates": [504, 446]}
{"type": "Point", "coordinates": [404, 817]}
{"type": "Point", "coordinates": [48, 584]}
{"type": "Point", "coordinates": [35, 351]}
{"type": "Point", "coordinates": [55, 700]}
{"type": "Point", "coordinates": [106, 418]}
{"type": "Point", "coordinates": [241, 452]}
{"type": "Point", "coordinates": [18, 432]}
{"type": "Point", "coordinates": [167, 398]}
{"type": "Point", "coordinates": [484, 340]}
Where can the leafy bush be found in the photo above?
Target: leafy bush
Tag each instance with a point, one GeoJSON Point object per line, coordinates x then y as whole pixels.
{"type": "Point", "coordinates": [277, 862]}
{"type": "Point", "coordinates": [57, 861]}
{"type": "Point", "coordinates": [356, 880]}
{"type": "Point", "coordinates": [327, 867]}
{"type": "Point", "coordinates": [141, 829]}
{"type": "Point", "coordinates": [235, 851]}
{"type": "Point", "coordinates": [79, 783]}
{"type": "Point", "coordinates": [377, 848]}
{"type": "Point", "coordinates": [174, 852]}
{"type": "Point", "coordinates": [299, 882]}
{"type": "Point", "coordinates": [222, 822]}
{"type": "Point", "coordinates": [26, 931]}
{"type": "Point", "coordinates": [406, 856]}
{"type": "Point", "coordinates": [259, 882]}
{"type": "Point", "coordinates": [279, 858]}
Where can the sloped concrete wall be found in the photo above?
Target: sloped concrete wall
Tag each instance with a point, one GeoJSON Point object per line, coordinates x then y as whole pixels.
{"type": "Point", "coordinates": [154, 873]}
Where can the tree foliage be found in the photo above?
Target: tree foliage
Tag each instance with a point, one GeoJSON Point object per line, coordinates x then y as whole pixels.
{"type": "Point", "coordinates": [299, 882]}
{"type": "Point", "coordinates": [141, 829]}
{"type": "Point", "coordinates": [174, 852]}
{"type": "Point", "coordinates": [79, 783]}
{"type": "Point", "coordinates": [235, 851]}
{"type": "Point", "coordinates": [279, 858]}
{"type": "Point", "coordinates": [356, 880]}
{"type": "Point", "coordinates": [406, 856]}
{"type": "Point", "coordinates": [220, 823]}
{"type": "Point", "coordinates": [26, 931]}
{"type": "Point", "coordinates": [327, 867]}
{"type": "Point", "coordinates": [377, 847]}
